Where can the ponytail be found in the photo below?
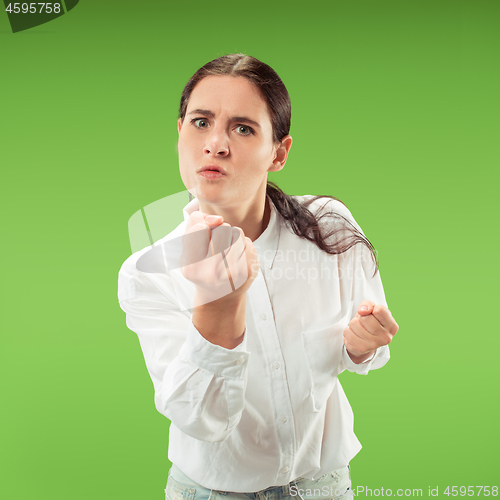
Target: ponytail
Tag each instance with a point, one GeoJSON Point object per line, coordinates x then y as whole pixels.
{"type": "Point", "coordinates": [343, 234]}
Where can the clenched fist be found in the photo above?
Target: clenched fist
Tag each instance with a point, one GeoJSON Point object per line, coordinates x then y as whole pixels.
{"type": "Point", "coordinates": [218, 258]}
{"type": "Point", "coordinates": [372, 327]}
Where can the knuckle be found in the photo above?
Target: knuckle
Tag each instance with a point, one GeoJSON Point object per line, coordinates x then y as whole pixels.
{"type": "Point", "coordinates": [195, 227]}
{"type": "Point", "coordinates": [195, 217]}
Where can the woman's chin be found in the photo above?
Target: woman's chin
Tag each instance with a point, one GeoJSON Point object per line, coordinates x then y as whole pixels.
{"type": "Point", "coordinates": [210, 194]}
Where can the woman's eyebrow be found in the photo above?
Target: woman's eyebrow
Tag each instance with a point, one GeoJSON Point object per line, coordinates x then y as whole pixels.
{"type": "Point", "coordinates": [210, 114]}
{"type": "Point", "coordinates": [245, 119]}
{"type": "Point", "coordinates": [204, 112]}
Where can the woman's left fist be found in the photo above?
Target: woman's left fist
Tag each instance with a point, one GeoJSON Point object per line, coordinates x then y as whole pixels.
{"type": "Point", "coordinates": [372, 327]}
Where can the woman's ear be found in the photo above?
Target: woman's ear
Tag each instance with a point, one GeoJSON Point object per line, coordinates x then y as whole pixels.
{"type": "Point", "coordinates": [281, 154]}
{"type": "Point", "coordinates": [179, 125]}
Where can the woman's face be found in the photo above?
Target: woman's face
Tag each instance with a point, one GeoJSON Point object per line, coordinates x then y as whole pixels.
{"type": "Point", "coordinates": [227, 130]}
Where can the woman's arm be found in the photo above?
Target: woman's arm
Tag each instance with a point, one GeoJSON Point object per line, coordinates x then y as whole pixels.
{"type": "Point", "coordinates": [222, 264]}
{"type": "Point", "coordinates": [369, 332]}
{"type": "Point", "coordinates": [198, 385]}
{"type": "Point", "coordinates": [222, 322]}
{"type": "Point", "coordinates": [365, 350]}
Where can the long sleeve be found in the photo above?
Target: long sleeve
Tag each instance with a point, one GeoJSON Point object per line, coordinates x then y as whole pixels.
{"type": "Point", "coordinates": [365, 286]}
{"type": "Point", "coordinates": [357, 269]}
{"type": "Point", "coordinates": [199, 386]}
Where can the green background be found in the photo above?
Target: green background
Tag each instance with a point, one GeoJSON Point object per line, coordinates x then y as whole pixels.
{"type": "Point", "coordinates": [395, 108]}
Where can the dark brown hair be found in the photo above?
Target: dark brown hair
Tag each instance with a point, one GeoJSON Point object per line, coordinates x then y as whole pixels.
{"type": "Point", "coordinates": [341, 233]}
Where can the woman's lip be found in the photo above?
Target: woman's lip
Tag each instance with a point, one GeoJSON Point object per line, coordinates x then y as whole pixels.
{"type": "Point", "coordinates": [211, 174]}
{"type": "Point", "coordinates": [213, 167]}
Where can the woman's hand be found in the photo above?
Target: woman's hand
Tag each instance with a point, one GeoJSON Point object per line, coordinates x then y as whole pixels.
{"type": "Point", "coordinates": [217, 258]}
{"type": "Point", "coordinates": [372, 327]}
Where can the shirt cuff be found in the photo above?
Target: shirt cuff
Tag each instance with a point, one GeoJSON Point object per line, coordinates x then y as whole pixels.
{"type": "Point", "coordinates": [377, 360]}
{"type": "Point", "coordinates": [215, 358]}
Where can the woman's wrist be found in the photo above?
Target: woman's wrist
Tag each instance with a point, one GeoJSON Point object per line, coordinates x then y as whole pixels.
{"type": "Point", "coordinates": [361, 358]}
{"type": "Point", "coordinates": [222, 321]}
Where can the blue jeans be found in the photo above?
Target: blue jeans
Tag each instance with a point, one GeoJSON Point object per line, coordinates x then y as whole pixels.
{"type": "Point", "coordinates": [333, 485]}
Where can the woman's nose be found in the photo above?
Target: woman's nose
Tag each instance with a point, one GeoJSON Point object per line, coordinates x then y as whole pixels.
{"type": "Point", "coordinates": [217, 145]}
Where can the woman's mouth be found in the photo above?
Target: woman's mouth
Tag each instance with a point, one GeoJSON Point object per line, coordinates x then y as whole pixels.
{"type": "Point", "coordinates": [212, 172]}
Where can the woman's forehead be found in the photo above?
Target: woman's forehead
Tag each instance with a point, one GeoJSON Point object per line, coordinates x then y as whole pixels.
{"type": "Point", "coordinates": [228, 94]}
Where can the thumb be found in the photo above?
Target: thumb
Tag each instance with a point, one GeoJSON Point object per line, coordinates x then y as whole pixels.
{"type": "Point", "coordinates": [366, 307]}
{"type": "Point", "coordinates": [214, 220]}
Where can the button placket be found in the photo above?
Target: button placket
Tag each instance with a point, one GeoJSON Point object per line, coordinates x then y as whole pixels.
{"type": "Point", "coordinates": [281, 404]}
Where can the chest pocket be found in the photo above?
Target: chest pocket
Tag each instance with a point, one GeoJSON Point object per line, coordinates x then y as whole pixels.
{"type": "Point", "coordinates": [323, 353]}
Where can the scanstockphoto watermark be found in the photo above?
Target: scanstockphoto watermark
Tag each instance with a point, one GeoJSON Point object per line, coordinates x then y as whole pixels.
{"type": "Point", "coordinates": [310, 264]}
{"type": "Point", "coordinates": [311, 254]}
{"type": "Point", "coordinates": [310, 273]}
{"type": "Point", "coordinates": [220, 252]}
{"type": "Point", "coordinates": [330, 492]}
{"type": "Point", "coordinates": [429, 491]}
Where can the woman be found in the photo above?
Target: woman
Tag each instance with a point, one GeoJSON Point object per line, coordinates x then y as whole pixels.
{"type": "Point", "coordinates": [273, 296]}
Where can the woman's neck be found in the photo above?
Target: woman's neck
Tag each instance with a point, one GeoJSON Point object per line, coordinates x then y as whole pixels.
{"type": "Point", "coordinates": [252, 219]}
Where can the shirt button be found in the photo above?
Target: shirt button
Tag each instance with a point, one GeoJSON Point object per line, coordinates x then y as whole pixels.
{"type": "Point", "coordinates": [283, 419]}
{"type": "Point", "coordinates": [276, 366]}
{"type": "Point", "coordinates": [284, 470]}
{"type": "Point", "coordinates": [263, 316]}
{"type": "Point", "coordinates": [192, 490]}
{"type": "Point", "coordinates": [239, 361]}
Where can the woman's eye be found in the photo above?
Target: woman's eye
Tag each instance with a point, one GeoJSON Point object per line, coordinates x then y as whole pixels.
{"type": "Point", "coordinates": [244, 130]}
{"type": "Point", "coordinates": [200, 122]}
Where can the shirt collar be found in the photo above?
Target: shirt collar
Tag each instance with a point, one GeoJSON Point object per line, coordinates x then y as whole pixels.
{"type": "Point", "coordinates": [266, 244]}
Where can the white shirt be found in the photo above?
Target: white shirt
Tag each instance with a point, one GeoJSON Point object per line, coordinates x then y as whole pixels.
{"type": "Point", "coordinates": [272, 409]}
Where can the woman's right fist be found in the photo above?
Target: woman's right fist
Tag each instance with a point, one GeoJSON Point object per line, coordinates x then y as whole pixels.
{"type": "Point", "coordinates": [219, 259]}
